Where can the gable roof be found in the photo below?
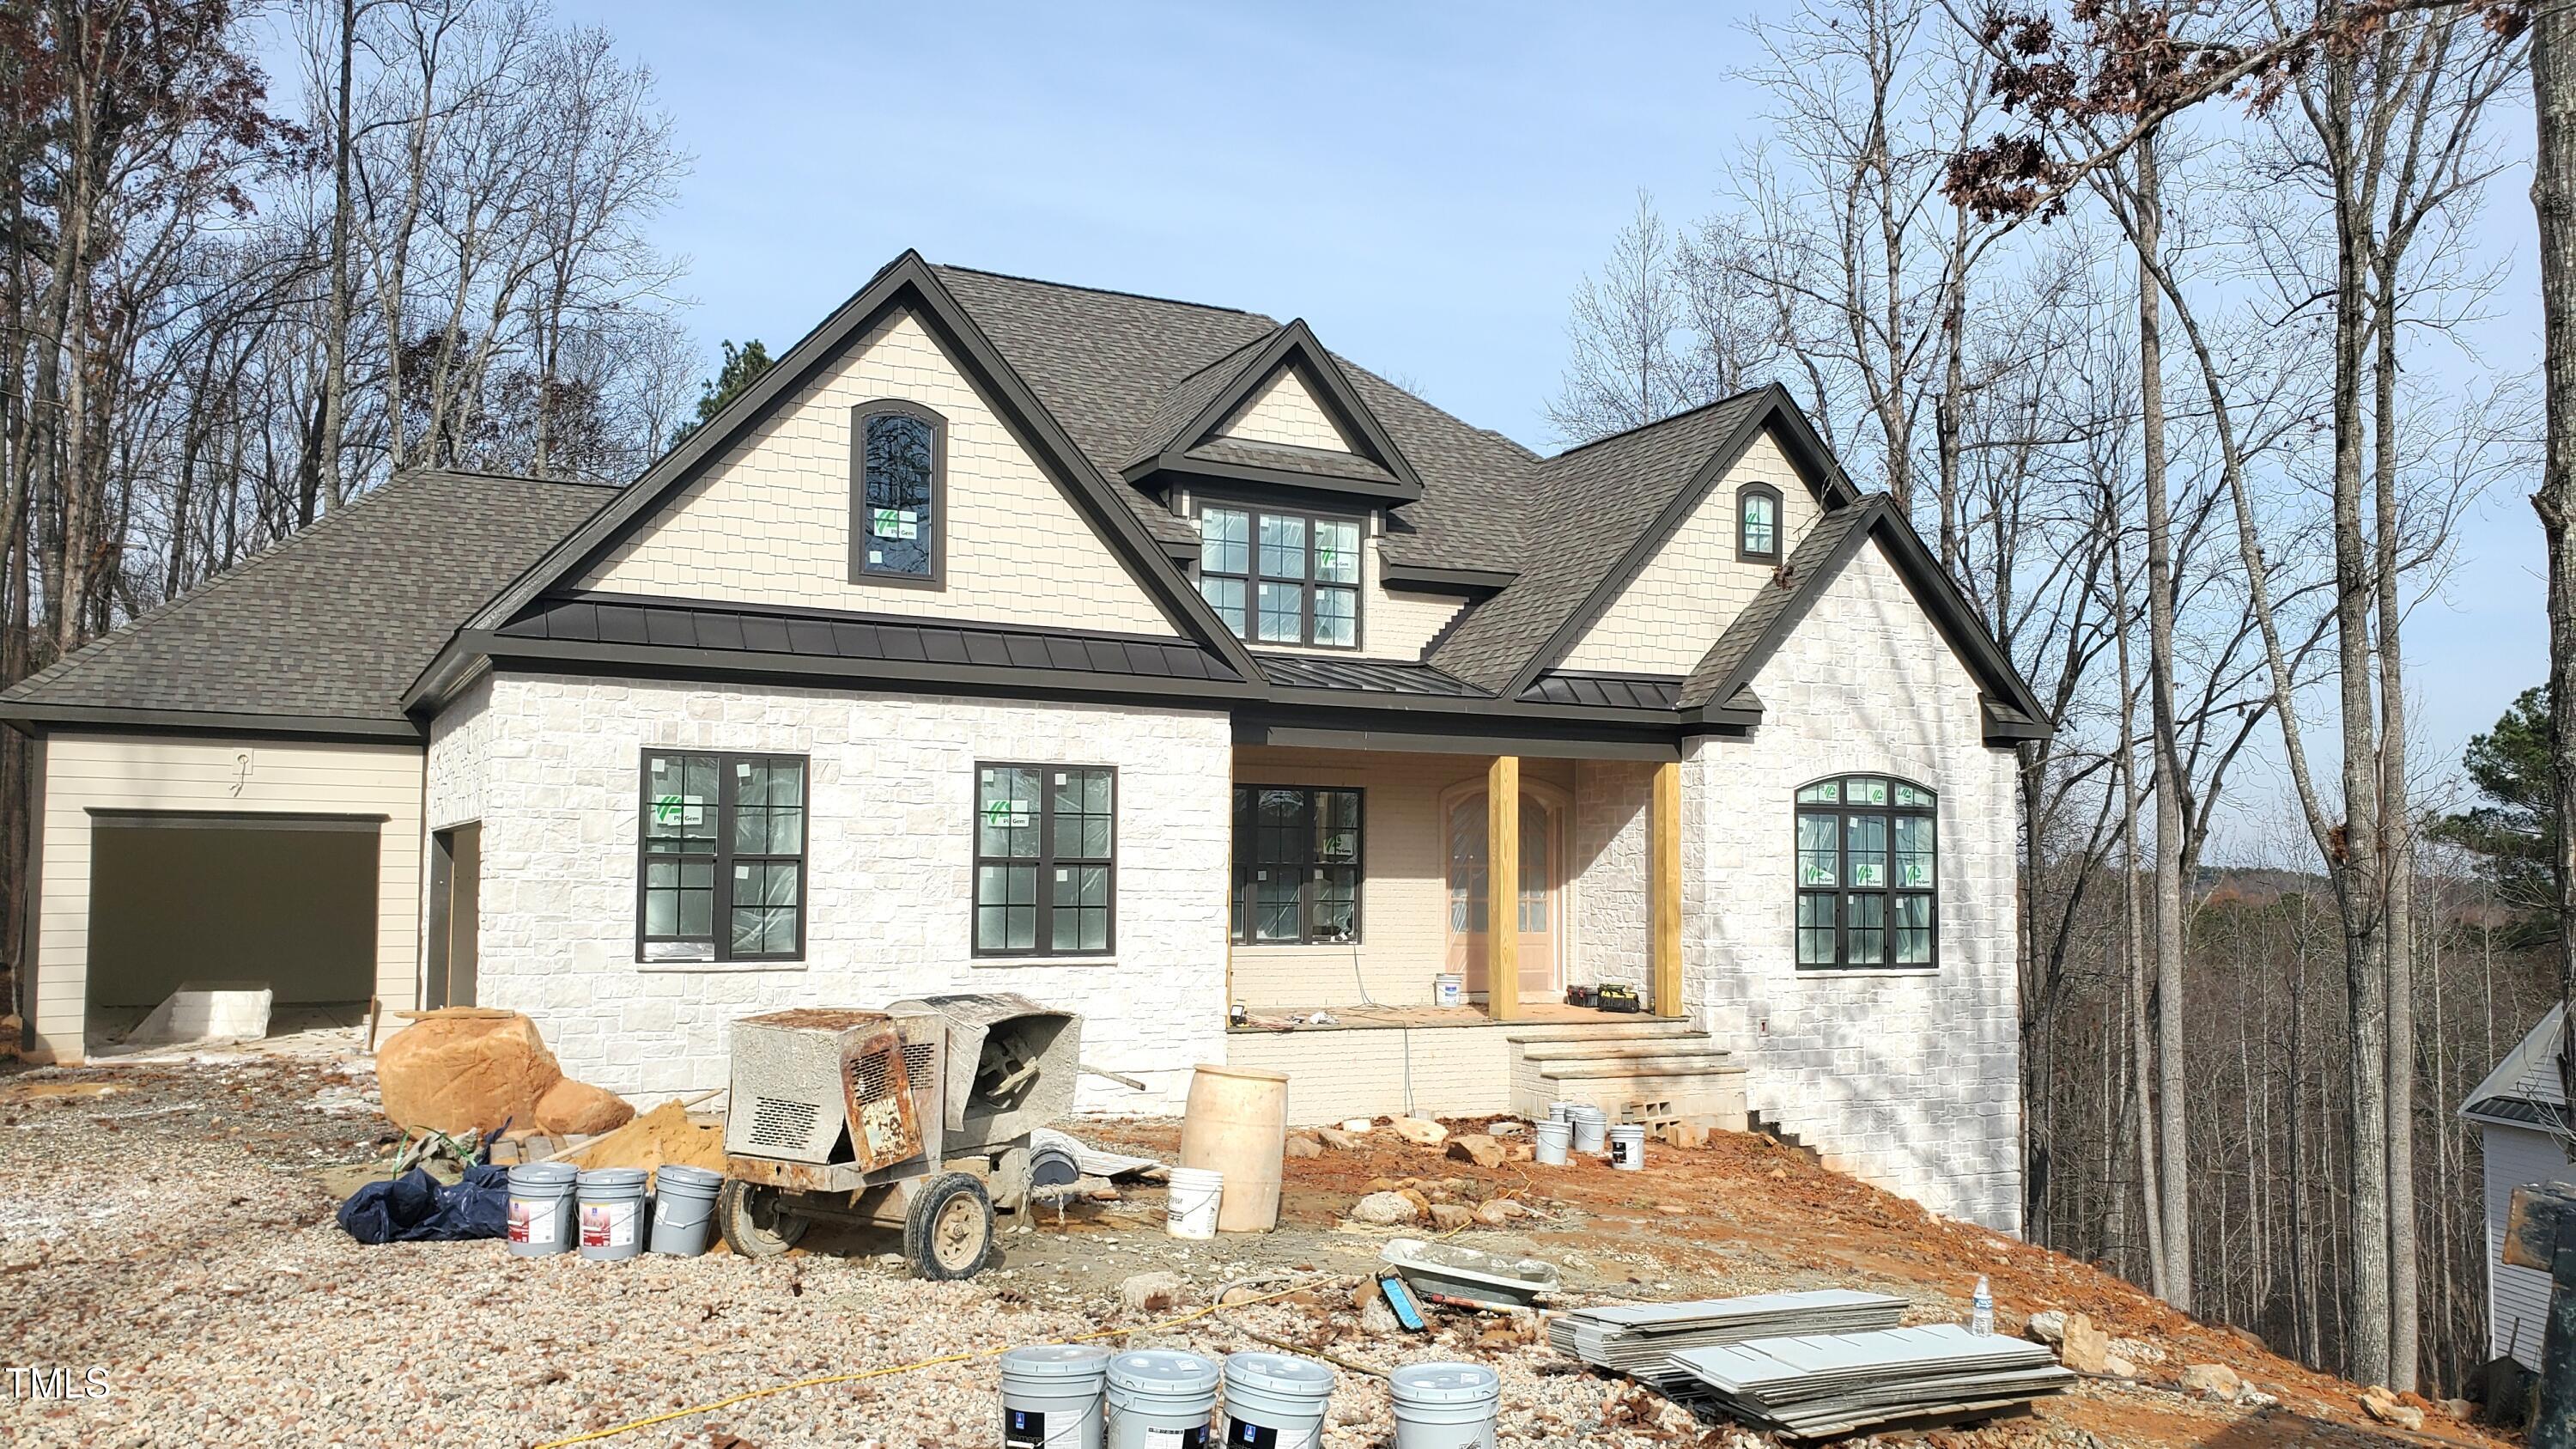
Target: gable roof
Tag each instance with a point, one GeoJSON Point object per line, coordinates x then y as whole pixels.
{"type": "Point", "coordinates": [1178, 441]}
{"type": "Point", "coordinates": [325, 630]}
{"type": "Point", "coordinates": [907, 283]}
{"type": "Point", "coordinates": [2524, 1090]}
{"type": "Point", "coordinates": [1724, 676]}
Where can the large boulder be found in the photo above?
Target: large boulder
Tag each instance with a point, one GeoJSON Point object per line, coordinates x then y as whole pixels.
{"type": "Point", "coordinates": [465, 1069]}
{"type": "Point", "coordinates": [578, 1109]}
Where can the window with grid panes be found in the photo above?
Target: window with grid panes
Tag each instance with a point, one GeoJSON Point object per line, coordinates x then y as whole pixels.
{"type": "Point", "coordinates": [1296, 865]}
{"type": "Point", "coordinates": [1045, 860]}
{"type": "Point", "coordinates": [1868, 890]}
{"type": "Point", "coordinates": [1282, 578]}
{"type": "Point", "coordinates": [722, 876]}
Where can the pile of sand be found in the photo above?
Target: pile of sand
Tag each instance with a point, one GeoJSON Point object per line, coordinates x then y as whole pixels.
{"type": "Point", "coordinates": [662, 1135]}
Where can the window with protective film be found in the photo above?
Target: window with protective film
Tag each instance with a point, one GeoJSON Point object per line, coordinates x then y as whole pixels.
{"type": "Point", "coordinates": [1868, 886]}
{"type": "Point", "coordinates": [722, 874]}
{"type": "Point", "coordinates": [1282, 578]}
{"type": "Point", "coordinates": [1046, 848]}
{"type": "Point", "coordinates": [898, 492]}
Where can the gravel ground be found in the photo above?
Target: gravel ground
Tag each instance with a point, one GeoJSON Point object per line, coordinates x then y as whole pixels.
{"type": "Point", "coordinates": [173, 1233]}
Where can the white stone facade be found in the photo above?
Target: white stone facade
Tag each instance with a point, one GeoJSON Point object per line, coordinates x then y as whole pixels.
{"type": "Point", "coordinates": [1906, 1078]}
{"type": "Point", "coordinates": [551, 767]}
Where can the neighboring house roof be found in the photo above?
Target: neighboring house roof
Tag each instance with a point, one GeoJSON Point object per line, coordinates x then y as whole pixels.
{"type": "Point", "coordinates": [325, 630]}
{"type": "Point", "coordinates": [2523, 1090]}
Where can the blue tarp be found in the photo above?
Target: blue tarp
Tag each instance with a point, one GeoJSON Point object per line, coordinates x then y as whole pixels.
{"type": "Point", "coordinates": [418, 1208]}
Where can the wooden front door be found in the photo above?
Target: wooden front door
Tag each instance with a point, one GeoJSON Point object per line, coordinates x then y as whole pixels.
{"type": "Point", "coordinates": [1538, 913]}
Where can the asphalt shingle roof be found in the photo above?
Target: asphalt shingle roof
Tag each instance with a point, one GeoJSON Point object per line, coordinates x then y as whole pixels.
{"type": "Point", "coordinates": [335, 622]}
{"type": "Point", "coordinates": [1806, 572]}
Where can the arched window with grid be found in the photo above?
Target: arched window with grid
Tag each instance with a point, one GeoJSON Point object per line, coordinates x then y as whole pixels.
{"type": "Point", "coordinates": [1868, 882]}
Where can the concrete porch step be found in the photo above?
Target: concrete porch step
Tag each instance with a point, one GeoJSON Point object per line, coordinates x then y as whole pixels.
{"type": "Point", "coordinates": [1621, 1049]}
{"type": "Point", "coordinates": [1605, 1031]}
{"type": "Point", "coordinates": [1710, 1064]}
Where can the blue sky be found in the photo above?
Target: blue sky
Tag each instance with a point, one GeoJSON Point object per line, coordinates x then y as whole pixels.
{"type": "Point", "coordinates": [1423, 184]}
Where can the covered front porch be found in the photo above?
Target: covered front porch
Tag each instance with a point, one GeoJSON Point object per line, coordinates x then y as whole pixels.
{"type": "Point", "coordinates": [1363, 877]}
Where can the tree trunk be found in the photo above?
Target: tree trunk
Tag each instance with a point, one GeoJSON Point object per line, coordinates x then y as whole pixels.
{"type": "Point", "coordinates": [2175, 1156]}
{"type": "Point", "coordinates": [335, 326]}
{"type": "Point", "coordinates": [2396, 844]}
{"type": "Point", "coordinates": [2553, 199]}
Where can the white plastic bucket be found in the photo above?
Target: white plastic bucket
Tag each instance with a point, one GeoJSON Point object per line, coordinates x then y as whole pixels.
{"type": "Point", "coordinates": [1278, 1392]}
{"type": "Point", "coordinates": [1628, 1147]}
{"type": "Point", "coordinates": [1445, 1405]}
{"type": "Point", "coordinates": [1196, 1194]}
{"type": "Point", "coordinates": [541, 1208]}
{"type": "Point", "coordinates": [1052, 1396]}
{"type": "Point", "coordinates": [1561, 1111]}
{"type": "Point", "coordinates": [1555, 1139]}
{"type": "Point", "coordinates": [684, 1204]}
{"type": "Point", "coordinates": [1448, 988]}
{"type": "Point", "coordinates": [611, 1212]}
{"type": "Point", "coordinates": [1591, 1127]}
{"type": "Point", "coordinates": [1160, 1398]}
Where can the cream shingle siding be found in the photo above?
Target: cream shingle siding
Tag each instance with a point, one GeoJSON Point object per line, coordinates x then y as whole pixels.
{"type": "Point", "coordinates": [552, 766]}
{"type": "Point", "coordinates": [1909, 1080]}
{"type": "Point", "coordinates": [1283, 411]}
{"type": "Point", "coordinates": [144, 772]}
{"type": "Point", "coordinates": [1404, 890]}
{"type": "Point", "coordinates": [768, 522]}
{"type": "Point", "coordinates": [1665, 618]}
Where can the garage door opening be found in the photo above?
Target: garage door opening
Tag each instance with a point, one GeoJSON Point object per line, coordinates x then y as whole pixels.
{"type": "Point", "coordinates": [285, 900]}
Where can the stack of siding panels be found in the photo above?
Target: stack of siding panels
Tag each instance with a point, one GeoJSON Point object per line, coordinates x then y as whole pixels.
{"type": "Point", "coordinates": [1639, 1339]}
{"type": "Point", "coordinates": [1818, 1385]}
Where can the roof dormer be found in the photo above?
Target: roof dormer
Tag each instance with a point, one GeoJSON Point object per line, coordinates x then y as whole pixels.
{"type": "Point", "coordinates": [1280, 412]}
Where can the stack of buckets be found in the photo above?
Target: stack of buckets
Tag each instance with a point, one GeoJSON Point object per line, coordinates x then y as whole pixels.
{"type": "Point", "coordinates": [555, 1208]}
{"type": "Point", "coordinates": [1579, 1127]}
{"type": "Point", "coordinates": [1067, 1396]}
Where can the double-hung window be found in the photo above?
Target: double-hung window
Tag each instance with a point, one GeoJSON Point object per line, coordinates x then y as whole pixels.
{"type": "Point", "coordinates": [1046, 839]}
{"type": "Point", "coordinates": [1868, 889]}
{"type": "Point", "coordinates": [898, 492]}
{"type": "Point", "coordinates": [1282, 578]}
{"type": "Point", "coordinates": [1296, 864]}
{"type": "Point", "coordinates": [722, 876]}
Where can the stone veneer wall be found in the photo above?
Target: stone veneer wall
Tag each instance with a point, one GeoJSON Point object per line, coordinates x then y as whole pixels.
{"type": "Point", "coordinates": [1611, 836]}
{"type": "Point", "coordinates": [551, 767]}
{"type": "Point", "coordinates": [1906, 1078]}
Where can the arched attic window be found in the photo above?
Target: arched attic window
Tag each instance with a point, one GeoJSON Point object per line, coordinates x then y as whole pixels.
{"type": "Point", "coordinates": [1757, 523]}
{"type": "Point", "coordinates": [898, 493]}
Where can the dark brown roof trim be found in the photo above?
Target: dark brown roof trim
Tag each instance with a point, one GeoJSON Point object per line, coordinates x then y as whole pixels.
{"type": "Point", "coordinates": [1180, 468]}
{"type": "Point", "coordinates": [33, 719]}
{"type": "Point", "coordinates": [906, 282]}
{"type": "Point", "coordinates": [1805, 451]}
{"type": "Point", "coordinates": [1469, 735]}
{"type": "Point", "coordinates": [1432, 579]}
{"type": "Point", "coordinates": [1292, 345]}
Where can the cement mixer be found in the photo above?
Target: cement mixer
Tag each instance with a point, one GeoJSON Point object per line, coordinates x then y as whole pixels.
{"type": "Point", "coordinates": [915, 1117]}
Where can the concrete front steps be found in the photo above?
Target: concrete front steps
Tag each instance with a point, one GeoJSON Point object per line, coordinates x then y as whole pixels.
{"type": "Point", "coordinates": [1669, 1065]}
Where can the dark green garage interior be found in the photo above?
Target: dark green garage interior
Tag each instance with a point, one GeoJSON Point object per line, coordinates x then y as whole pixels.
{"type": "Point", "coordinates": [199, 899]}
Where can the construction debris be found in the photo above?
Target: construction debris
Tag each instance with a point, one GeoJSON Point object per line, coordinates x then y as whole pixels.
{"type": "Point", "coordinates": [1812, 1387]}
{"type": "Point", "coordinates": [1639, 1339]}
{"type": "Point", "coordinates": [465, 1069]}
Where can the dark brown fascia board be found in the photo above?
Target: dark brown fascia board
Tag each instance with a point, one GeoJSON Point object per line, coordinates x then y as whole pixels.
{"type": "Point", "coordinates": [887, 676]}
{"type": "Point", "coordinates": [1525, 711]}
{"type": "Point", "coordinates": [1806, 452]}
{"type": "Point", "coordinates": [32, 719]}
{"type": "Point", "coordinates": [1433, 579]}
{"type": "Point", "coordinates": [2002, 731]}
{"type": "Point", "coordinates": [908, 279]}
{"type": "Point", "coordinates": [1177, 469]}
{"type": "Point", "coordinates": [1297, 340]}
{"type": "Point", "coordinates": [1305, 730]}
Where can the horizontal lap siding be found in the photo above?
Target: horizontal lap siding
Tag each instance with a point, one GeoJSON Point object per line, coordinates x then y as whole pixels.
{"type": "Point", "coordinates": [2517, 1298]}
{"type": "Point", "coordinates": [83, 773]}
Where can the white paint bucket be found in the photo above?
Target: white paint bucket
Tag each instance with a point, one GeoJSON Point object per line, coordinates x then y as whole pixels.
{"type": "Point", "coordinates": [1628, 1147]}
{"type": "Point", "coordinates": [684, 1204]}
{"type": "Point", "coordinates": [1591, 1126]}
{"type": "Point", "coordinates": [1277, 1392]}
{"type": "Point", "coordinates": [1445, 1405]}
{"type": "Point", "coordinates": [1555, 1140]}
{"type": "Point", "coordinates": [1052, 1395]}
{"type": "Point", "coordinates": [541, 1208]}
{"type": "Point", "coordinates": [611, 1205]}
{"type": "Point", "coordinates": [1196, 1194]}
{"type": "Point", "coordinates": [1448, 988]}
{"type": "Point", "coordinates": [1161, 1398]}
{"type": "Point", "coordinates": [1561, 1111]}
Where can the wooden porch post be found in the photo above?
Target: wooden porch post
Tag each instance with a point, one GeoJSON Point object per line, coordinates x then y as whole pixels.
{"type": "Point", "coordinates": [1503, 888]}
{"type": "Point", "coordinates": [1664, 894]}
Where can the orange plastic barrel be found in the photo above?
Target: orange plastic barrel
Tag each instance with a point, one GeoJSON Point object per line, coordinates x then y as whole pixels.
{"type": "Point", "coordinates": [1237, 1124]}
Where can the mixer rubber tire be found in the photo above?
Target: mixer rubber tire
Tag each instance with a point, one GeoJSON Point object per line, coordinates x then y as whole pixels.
{"type": "Point", "coordinates": [948, 1229]}
{"type": "Point", "coordinates": [754, 1219]}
